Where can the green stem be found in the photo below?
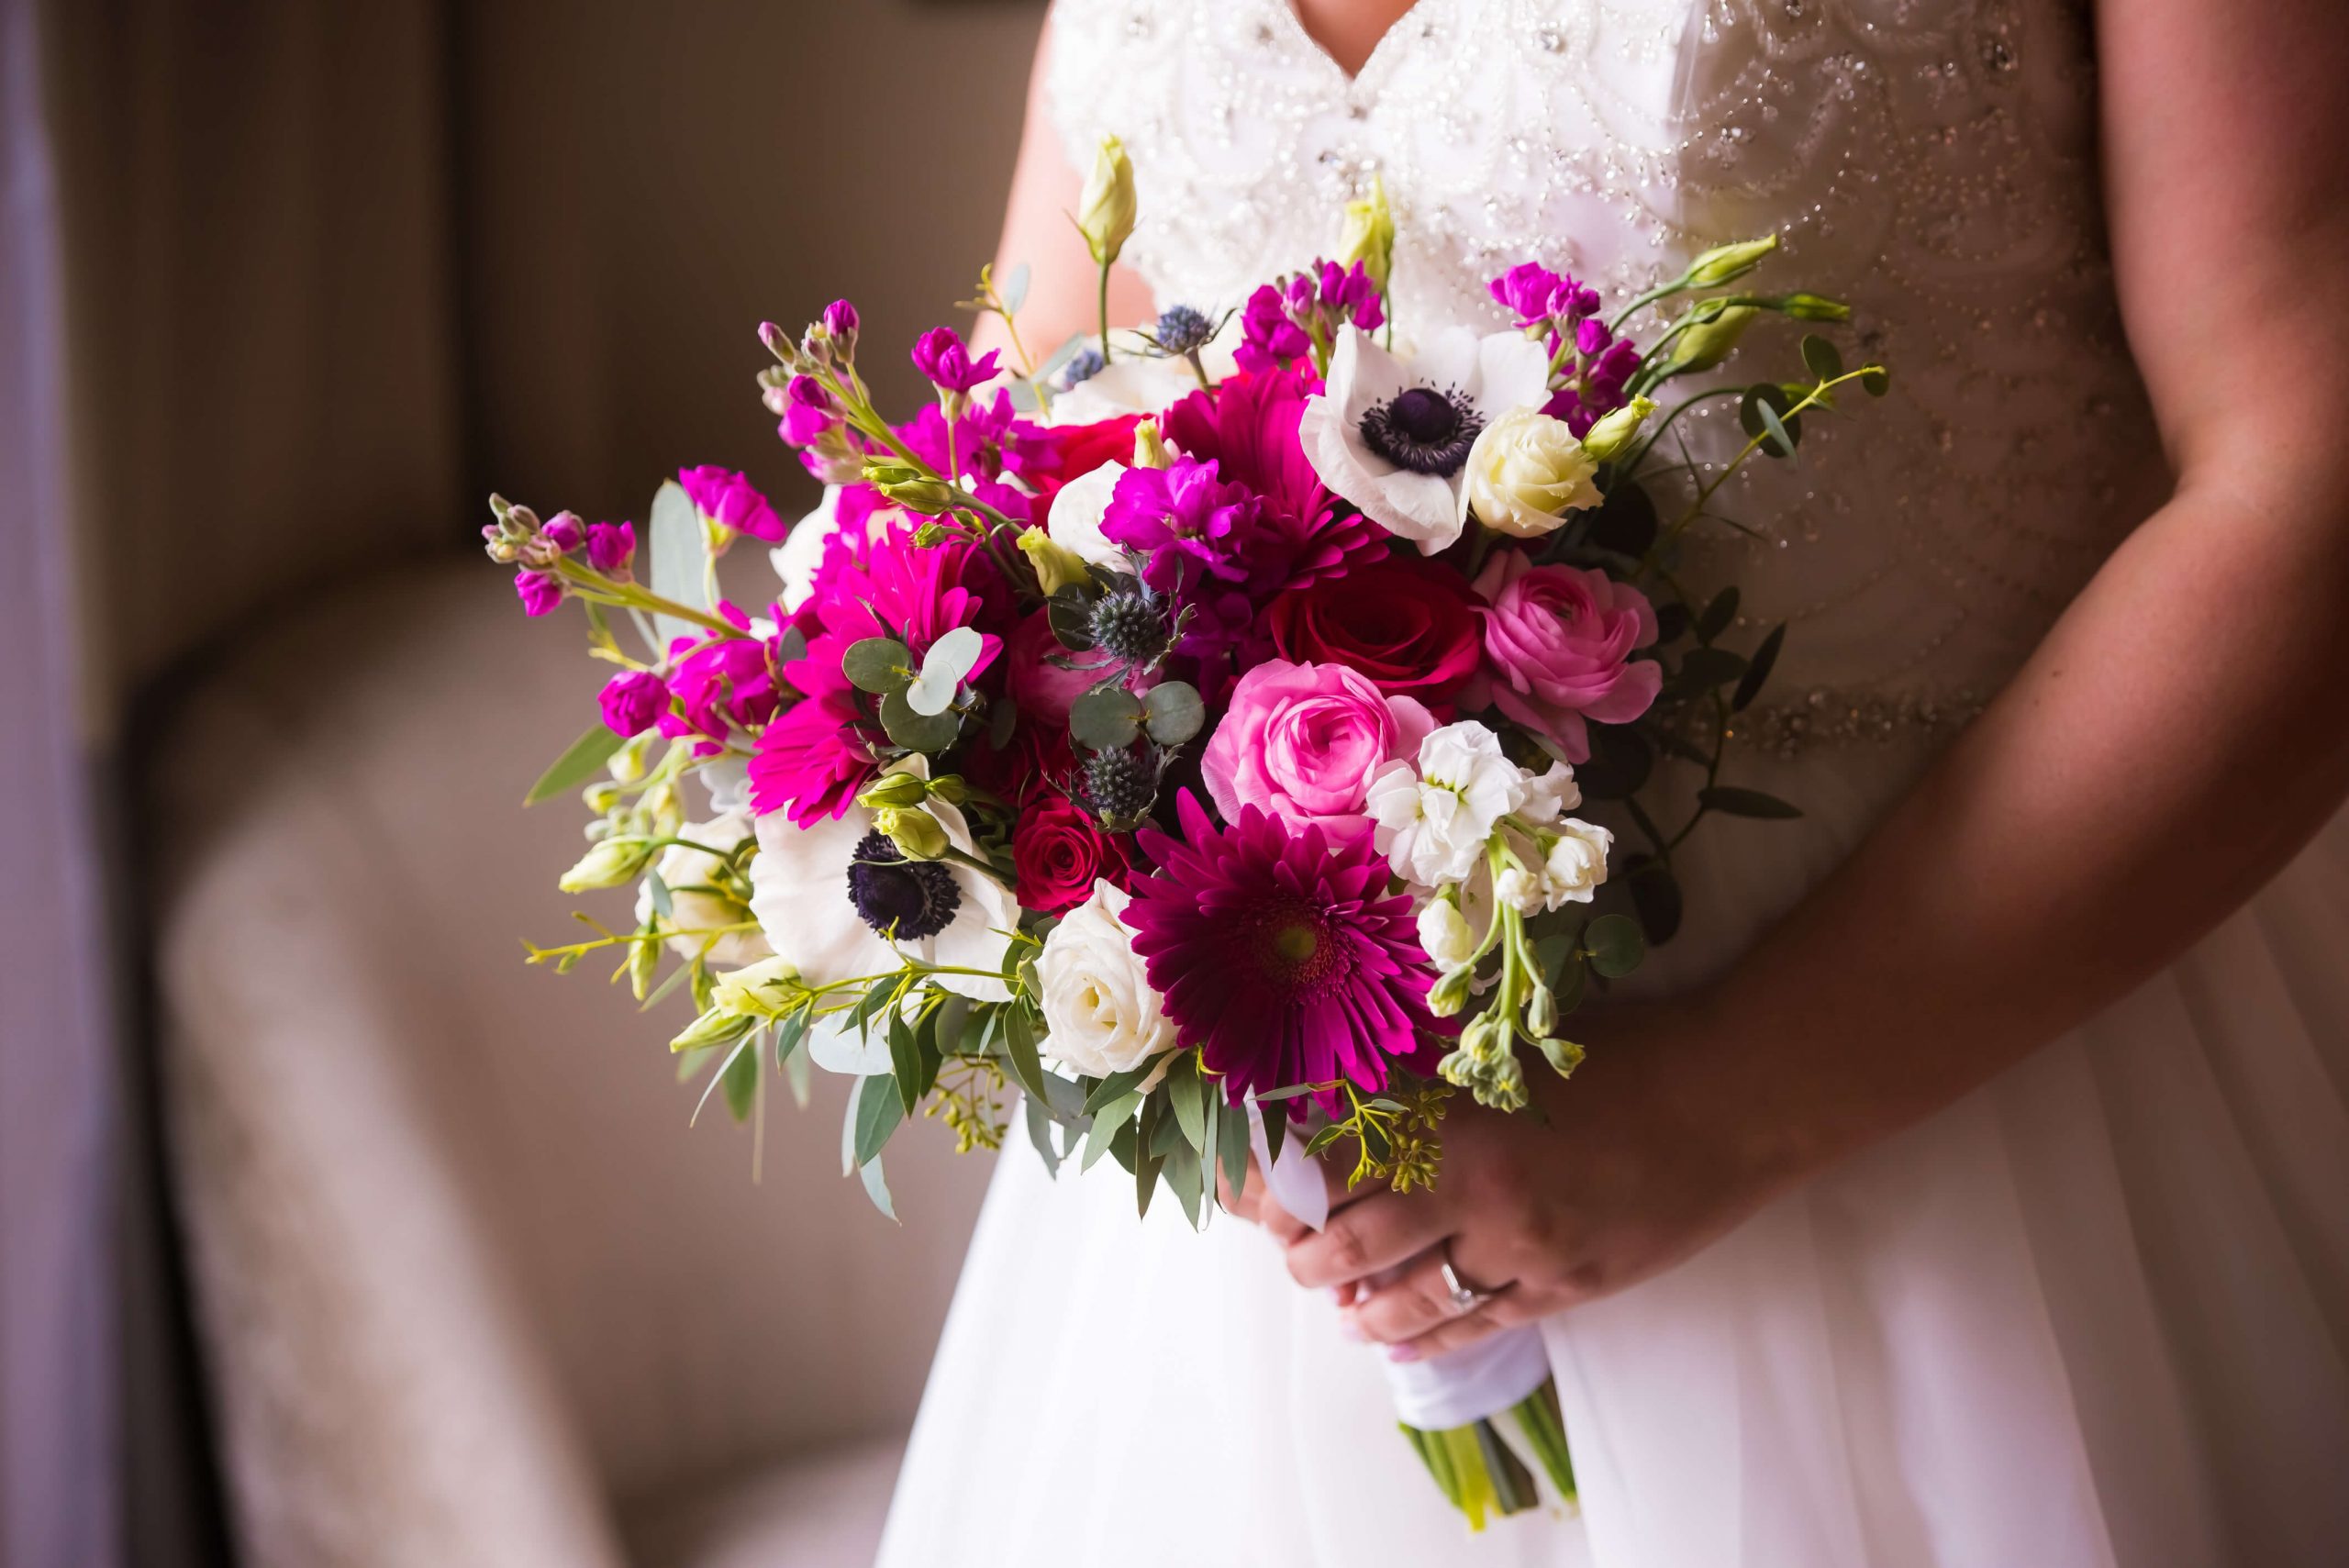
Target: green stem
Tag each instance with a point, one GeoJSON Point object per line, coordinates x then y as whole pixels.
{"type": "Point", "coordinates": [1103, 300]}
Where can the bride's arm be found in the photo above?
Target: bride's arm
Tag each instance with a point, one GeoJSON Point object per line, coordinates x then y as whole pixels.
{"type": "Point", "coordinates": [2180, 733]}
{"type": "Point", "coordinates": [1037, 230]}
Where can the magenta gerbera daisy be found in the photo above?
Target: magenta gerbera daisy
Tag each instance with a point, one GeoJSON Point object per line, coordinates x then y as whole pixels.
{"type": "Point", "coordinates": [1280, 955]}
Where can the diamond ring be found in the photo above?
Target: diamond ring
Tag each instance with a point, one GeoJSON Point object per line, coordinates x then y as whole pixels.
{"type": "Point", "coordinates": [1465, 1297]}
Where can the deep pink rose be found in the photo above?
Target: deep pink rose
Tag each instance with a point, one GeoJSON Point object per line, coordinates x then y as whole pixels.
{"type": "Point", "coordinates": [1041, 689]}
{"type": "Point", "coordinates": [1558, 644]}
{"type": "Point", "coordinates": [1302, 740]}
{"type": "Point", "coordinates": [1057, 851]}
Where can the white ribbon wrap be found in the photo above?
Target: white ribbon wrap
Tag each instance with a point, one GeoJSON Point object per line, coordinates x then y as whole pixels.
{"type": "Point", "coordinates": [1451, 1390]}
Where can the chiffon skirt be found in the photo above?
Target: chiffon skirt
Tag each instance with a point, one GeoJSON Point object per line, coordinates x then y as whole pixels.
{"type": "Point", "coordinates": [2095, 1313]}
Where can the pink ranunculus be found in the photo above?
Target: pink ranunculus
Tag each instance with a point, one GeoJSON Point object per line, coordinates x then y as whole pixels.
{"type": "Point", "coordinates": [1302, 740]}
{"type": "Point", "coordinates": [1040, 689]}
{"type": "Point", "coordinates": [1558, 645]}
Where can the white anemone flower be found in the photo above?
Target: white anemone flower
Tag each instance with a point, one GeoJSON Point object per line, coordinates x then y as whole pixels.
{"type": "Point", "coordinates": [1392, 435]}
{"type": "Point", "coordinates": [945, 913]}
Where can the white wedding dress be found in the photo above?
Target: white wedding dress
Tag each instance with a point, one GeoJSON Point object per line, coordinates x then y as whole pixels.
{"type": "Point", "coordinates": [2096, 1312]}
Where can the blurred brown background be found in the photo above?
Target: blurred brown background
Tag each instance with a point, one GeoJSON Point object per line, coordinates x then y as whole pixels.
{"type": "Point", "coordinates": [336, 270]}
{"type": "Point", "coordinates": [413, 1259]}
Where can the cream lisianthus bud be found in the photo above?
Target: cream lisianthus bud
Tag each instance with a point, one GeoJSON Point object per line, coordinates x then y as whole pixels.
{"type": "Point", "coordinates": [1577, 864]}
{"type": "Point", "coordinates": [1708, 343]}
{"type": "Point", "coordinates": [610, 863]}
{"type": "Point", "coordinates": [1057, 567]}
{"type": "Point", "coordinates": [1444, 935]}
{"type": "Point", "coordinates": [767, 989]}
{"type": "Point", "coordinates": [1525, 473]}
{"type": "Point", "coordinates": [917, 835]}
{"type": "Point", "coordinates": [1724, 262]}
{"type": "Point", "coordinates": [895, 790]}
{"type": "Point", "coordinates": [1097, 1002]}
{"type": "Point", "coordinates": [1105, 213]}
{"type": "Point", "coordinates": [1149, 448]}
{"type": "Point", "coordinates": [1369, 235]}
{"type": "Point", "coordinates": [1607, 440]}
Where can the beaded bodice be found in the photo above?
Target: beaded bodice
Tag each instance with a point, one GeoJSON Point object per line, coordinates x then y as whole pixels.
{"type": "Point", "coordinates": [1931, 162]}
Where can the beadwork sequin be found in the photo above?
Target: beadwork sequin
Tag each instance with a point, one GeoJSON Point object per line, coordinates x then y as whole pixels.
{"type": "Point", "coordinates": [1931, 163]}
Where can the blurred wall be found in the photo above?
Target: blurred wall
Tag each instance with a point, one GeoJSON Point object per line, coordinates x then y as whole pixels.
{"type": "Point", "coordinates": [334, 271]}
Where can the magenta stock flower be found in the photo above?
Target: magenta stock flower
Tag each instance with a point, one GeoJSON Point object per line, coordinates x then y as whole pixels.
{"type": "Point", "coordinates": [1281, 320]}
{"type": "Point", "coordinates": [631, 701]}
{"type": "Point", "coordinates": [940, 356]}
{"type": "Point", "coordinates": [540, 592]}
{"type": "Point", "coordinates": [723, 685]}
{"type": "Point", "coordinates": [840, 321]}
{"type": "Point", "coordinates": [1193, 528]}
{"type": "Point", "coordinates": [564, 531]}
{"type": "Point", "coordinates": [1535, 295]}
{"type": "Point", "coordinates": [726, 497]}
{"type": "Point", "coordinates": [807, 411]}
{"type": "Point", "coordinates": [1558, 646]}
{"type": "Point", "coordinates": [1268, 336]}
{"type": "Point", "coordinates": [1280, 954]}
{"type": "Point", "coordinates": [611, 546]}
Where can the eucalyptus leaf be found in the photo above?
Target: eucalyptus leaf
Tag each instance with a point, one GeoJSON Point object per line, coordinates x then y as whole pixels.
{"type": "Point", "coordinates": [1232, 1142]}
{"type": "Point", "coordinates": [1706, 668]}
{"type": "Point", "coordinates": [877, 664]}
{"type": "Point", "coordinates": [1323, 1138]}
{"type": "Point", "coordinates": [1626, 522]}
{"type": "Point", "coordinates": [1718, 615]}
{"type": "Point", "coordinates": [1876, 382]}
{"type": "Point", "coordinates": [1039, 1133]}
{"type": "Point", "coordinates": [1175, 712]}
{"type": "Point", "coordinates": [1014, 292]}
{"type": "Point", "coordinates": [1108, 1123]}
{"type": "Point", "coordinates": [1655, 895]}
{"type": "Point", "coordinates": [658, 891]}
{"type": "Point", "coordinates": [1619, 762]}
{"type": "Point", "coordinates": [1186, 1178]}
{"type": "Point", "coordinates": [1020, 1049]}
{"type": "Point", "coordinates": [950, 659]}
{"type": "Point", "coordinates": [876, 1188]}
{"type": "Point", "coordinates": [1105, 719]}
{"type": "Point", "coordinates": [1070, 614]}
{"type": "Point", "coordinates": [1614, 944]}
{"type": "Point", "coordinates": [1003, 717]}
{"type": "Point", "coordinates": [678, 559]}
{"type": "Point", "coordinates": [579, 762]}
{"type": "Point", "coordinates": [741, 1082]}
{"type": "Point", "coordinates": [929, 733]}
{"type": "Point", "coordinates": [1190, 1100]}
{"type": "Point", "coordinates": [1757, 668]}
{"type": "Point", "coordinates": [879, 1109]}
{"type": "Point", "coordinates": [1782, 435]}
{"type": "Point", "coordinates": [1117, 1086]}
{"type": "Point", "coordinates": [1737, 802]}
{"type": "Point", "coordinates": [1821, 358]}
{"type": "Point", "coordinates": [904, 1062]}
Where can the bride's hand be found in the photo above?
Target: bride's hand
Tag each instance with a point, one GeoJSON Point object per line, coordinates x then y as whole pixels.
{"type": "Point", "coordinates": [1605, 1180]}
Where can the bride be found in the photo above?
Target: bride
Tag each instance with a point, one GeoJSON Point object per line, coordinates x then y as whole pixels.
{"type": "Point", "coordinates": [1970, 1183]}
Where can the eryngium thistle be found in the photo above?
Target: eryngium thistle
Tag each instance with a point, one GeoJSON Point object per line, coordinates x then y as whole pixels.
{"type": "Point", "coordinates": [1121, 786]}
{"type": "Point", "coordinates": [1128, 625]}
{"type": "Point", "coordinates": [1181, 329]}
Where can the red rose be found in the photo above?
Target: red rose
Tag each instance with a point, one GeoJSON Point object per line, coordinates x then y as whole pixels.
{"type": "Point", "coordinates": [1057, 851]}
{"type": "Point", "coordinates": [1407, 624]}
{"type": "Point", "coordinates": [1062, 452]}
{"type": "Point", "coordinates": [1036, 763]}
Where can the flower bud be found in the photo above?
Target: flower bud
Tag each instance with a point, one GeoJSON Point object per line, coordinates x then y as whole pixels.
{"type": "Point", "coordinates": [1444, 935]}
{"type": "Point", "coordinates": [1541, 1012]}
{"type": "Point", "coordinates": [1814, 307]}
{"type": "Point", "coordinates": [627, 763]}
{"type": "Point", "coordinates": [1724, 262]}
{"type": "Point", "coordinates": [950, 789]}
{"type": "Point", "coordinates": [1564, 1054]}
{"type": "Point", "coordinates": [600, 797]}
{"type": "Point", "coordinates": [917, 834]}
{"type": "Point", "coordinates": [894, 790]}
{"type": "Point", "coordinates": [841, 321]}
{"type": "Point", "coordinates": [1612, 434]}
{"type": "Point", "coordinates": [643, 963]}
{"type": "Point", "coordinates": [607, 865]}
{"type": "Point", "coordinates": [1150, 451]}
{"type": "Point", "coordinates": [1451, 993]}
{"type": "Point", "coordinates": [1708, 343]}
{"type": "Point", "coordinates": [1057, 567]}
{"type": "Point", "coordinates": [1503, 1086]}
{"type": "Point", "coordinates": [715, 1026]}
{"type": "Point", "coordinates": [1105, 212]}
{"type": "Point", "coordinates": [1369, 234]}
{"type": "Point", "coordinates": [776, 342]}
{"type": "Point", "coordinates": [917, 494]}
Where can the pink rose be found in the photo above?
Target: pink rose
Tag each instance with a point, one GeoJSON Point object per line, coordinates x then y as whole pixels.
{"type": "Point", "coordinates": [1302, 741]}
{"type": "Point", "coordinates": [1039, 688]}
{"type": "Point", "coordinates": [1558, 645]}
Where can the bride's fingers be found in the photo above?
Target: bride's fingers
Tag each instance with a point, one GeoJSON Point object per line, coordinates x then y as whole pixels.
{"type": "Point", "coordinates": [1415, 1301]}
{"type": "Point", "coordinates": [1373, 1233]}
{"type": "Point", "coordinates": [1506, 1310]}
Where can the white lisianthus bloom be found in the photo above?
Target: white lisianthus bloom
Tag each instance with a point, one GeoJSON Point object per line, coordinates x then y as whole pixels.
{"type": "Point", "coordinates": [1393, 435]}
{"type": "Point", "coordinates": [1577, 863]}
{"type": "Point", "coordinates": [1444, 935]}
{"type": "Point", "coordinates": [1097, 1002]}
{"type": "Point", "coordinates": [1075, 520]}
{"type": "Point", "coordinates": [817, 907]}
{"type": "Point", "coordinates": [1525, 473]}
{"type": "Point", "coordinates": [1432, 821]}
{"type": "Point", "coordinates": [696, 903]}
{"type": "Point", "coordinates": [1552, 795]}
{"type": "Point", "coordinates": [802, 550]}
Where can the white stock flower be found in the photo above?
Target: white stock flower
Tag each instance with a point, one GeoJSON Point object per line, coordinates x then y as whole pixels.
{"type": "Point", "coordinates": [1075, 520]}
{"type": "Point", "coordinates": [1393, 435]}
{"type": "Point", "coordinates": [1519, 889]}
{"type": "Point", "coordinates": [1577, 863]}
{"type": "Point", "coordinates": [1550, 795]}
{"type": "Point", "coordinates": [695, 903]}
{"type": "Point", "coordinates": [1432, 822]}
{"type": "Point", "coordinates": [1525, 473]}
{"type": "Point", "coordinates": [1097, 1002]}
{"type": "Point", "coordinates": [800, 894]}
{"type": "Point", "coordinates": [1444, 935]}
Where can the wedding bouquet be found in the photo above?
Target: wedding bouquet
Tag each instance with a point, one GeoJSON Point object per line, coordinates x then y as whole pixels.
{"type": "Point", "coordinates": [1197, 737]}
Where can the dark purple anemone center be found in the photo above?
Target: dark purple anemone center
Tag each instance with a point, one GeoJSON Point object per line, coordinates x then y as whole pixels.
{"type": "Point", "coordinates": [1425, 429]}
{"type": "Point", "coordinates": [895, 897]}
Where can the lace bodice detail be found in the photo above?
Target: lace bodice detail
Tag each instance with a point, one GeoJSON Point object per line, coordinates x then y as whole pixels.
{"type": "Point", "coordinates": [1931, 162]}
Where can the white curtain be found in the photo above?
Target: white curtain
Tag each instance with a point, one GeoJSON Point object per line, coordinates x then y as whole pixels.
{"type": "Point", "coordinates": [57, 1328]}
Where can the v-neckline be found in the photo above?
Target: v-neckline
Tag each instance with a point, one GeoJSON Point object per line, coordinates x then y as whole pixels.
{"type": "Point", "coordinates": [1412, 16]}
